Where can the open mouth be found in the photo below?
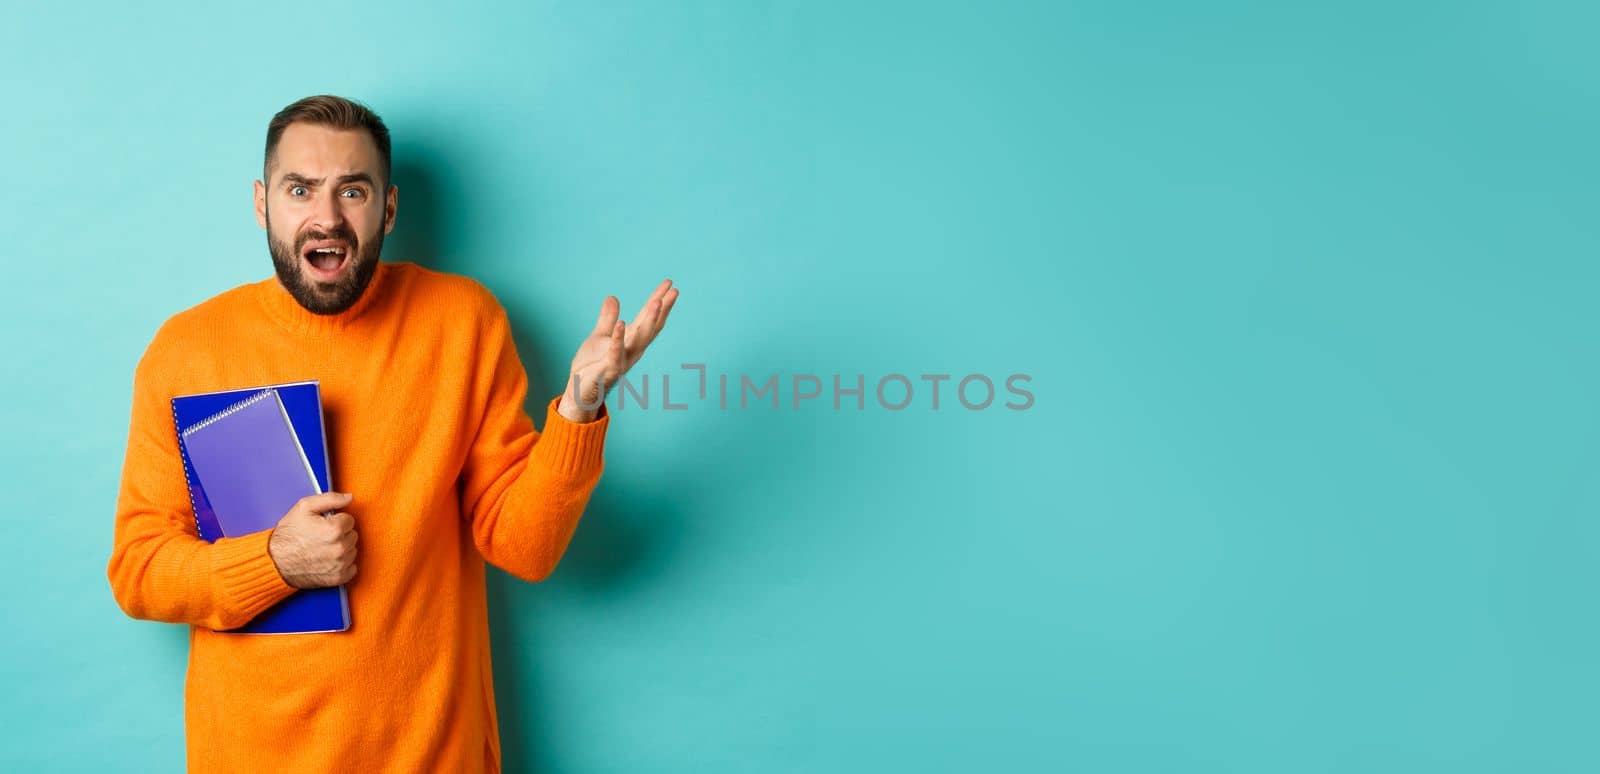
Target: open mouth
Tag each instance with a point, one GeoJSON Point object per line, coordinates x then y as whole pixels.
{"type": "Point", "coordinates": [326, 259]}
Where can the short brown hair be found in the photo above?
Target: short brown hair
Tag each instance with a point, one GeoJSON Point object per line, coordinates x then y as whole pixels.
{"type": "Point", "coordinates": [335, 112]}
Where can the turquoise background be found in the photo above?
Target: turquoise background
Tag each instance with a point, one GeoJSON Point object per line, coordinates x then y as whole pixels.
{"type": "Point", "coordinates": [1306, 294]}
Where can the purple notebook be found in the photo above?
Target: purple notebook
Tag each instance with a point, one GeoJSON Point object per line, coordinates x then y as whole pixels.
{"type": "Point", "coordinates": [248, 462]}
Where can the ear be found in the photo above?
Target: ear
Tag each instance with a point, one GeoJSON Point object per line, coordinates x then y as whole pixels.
{"type": "Point", "coordinates": [391, 205]}
{"type": "Point", "coordinates": [261, 204]}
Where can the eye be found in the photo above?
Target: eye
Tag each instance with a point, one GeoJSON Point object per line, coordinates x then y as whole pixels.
{"type": "Point", "coordinates": [356, 191]}
{"type": "Point", "coordinates": [294, 190]}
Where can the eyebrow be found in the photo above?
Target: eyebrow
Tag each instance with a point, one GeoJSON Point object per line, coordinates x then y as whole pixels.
{"type": "Point", "coordinates": [299, 179]}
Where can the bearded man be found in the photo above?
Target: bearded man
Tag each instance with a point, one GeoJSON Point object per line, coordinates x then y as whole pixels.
{"type": "Point", "coordinates": [437, 463]}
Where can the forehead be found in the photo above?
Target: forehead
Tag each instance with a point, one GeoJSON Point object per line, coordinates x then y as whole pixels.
{"type": "Point", "coordinates": [321, 151]}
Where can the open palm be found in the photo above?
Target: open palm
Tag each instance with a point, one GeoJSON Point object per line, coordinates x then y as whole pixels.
{"type": "Point", "coordinates": [610, 350]}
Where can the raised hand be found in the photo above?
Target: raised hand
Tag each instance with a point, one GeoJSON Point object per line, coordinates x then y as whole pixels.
{"type": "Point", "coordinates": [611, 349]}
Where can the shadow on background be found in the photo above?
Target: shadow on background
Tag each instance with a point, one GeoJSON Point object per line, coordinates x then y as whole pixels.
{"type": "Point", "coordinates": [645, 521]}
{"type": "Point", "coordinates": [622, 534]}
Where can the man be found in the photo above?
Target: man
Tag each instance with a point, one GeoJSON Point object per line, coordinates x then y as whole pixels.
{"type": "Point", "coordinates": [437, 464]}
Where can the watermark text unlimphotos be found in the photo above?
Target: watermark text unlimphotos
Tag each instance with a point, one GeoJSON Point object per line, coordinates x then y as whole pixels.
{"type": "Point", "coordinates": [893, 392]}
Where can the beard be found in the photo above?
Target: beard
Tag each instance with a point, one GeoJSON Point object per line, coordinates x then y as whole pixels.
{"type": "Point", "coordinates": [315, 295]}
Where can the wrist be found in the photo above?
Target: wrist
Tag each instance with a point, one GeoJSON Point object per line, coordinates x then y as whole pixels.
{"type": "Point", "coordinates": [572, 412]}
{"type": "Point", "coordinates": [273, 549]}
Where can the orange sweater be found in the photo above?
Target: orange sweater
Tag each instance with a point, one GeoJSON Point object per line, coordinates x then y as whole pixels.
{"type": "Point", "coordinates": [423, 402]}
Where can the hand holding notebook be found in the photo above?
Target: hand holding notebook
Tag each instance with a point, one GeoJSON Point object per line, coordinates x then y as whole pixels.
{"type": "Point", "coordinates": [314, 544]}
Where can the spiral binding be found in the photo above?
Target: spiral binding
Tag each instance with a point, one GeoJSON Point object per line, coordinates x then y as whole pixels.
{"type": "Point", "coordinates": [183, 453]}
{"type": "Point", "coordinates": [214, 418]}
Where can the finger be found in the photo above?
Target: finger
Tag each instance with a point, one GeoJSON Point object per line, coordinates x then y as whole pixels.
{"type": "Point", "coordinates": [609, 309]}
{"type": "Point", "coordinates": [608, 365]}
{"type": "Point", "coordinates": [654, 313]}
{"type": "Point", "coordinates": [643, 327]}
{"type": "Point", "coordinates": [655, 298]}
{"type": "Point", "coordinates": [645, 321]}
{"type": "Point", "coordinates": [618, 347]}
{"type": "Point", "coordinates": [640, 335]}
{"type": "Point", "coordinates": [322, 503]}
{"type": "Point", "coordinates": [342, 522]}
{"type": "Point", "coordinates": [349, 539]}
{"type": "Point", "coordinates": [667, 302]}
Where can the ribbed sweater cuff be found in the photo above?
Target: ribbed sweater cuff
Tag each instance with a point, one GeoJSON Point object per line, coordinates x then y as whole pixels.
{"type": "Point", "coordinates": [572, 449]}
{"type": "Point", "coordinates": [246, 575]}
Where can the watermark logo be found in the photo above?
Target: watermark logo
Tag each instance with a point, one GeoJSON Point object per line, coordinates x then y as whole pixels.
{"type": "Point", "coordinates": [892, 392]}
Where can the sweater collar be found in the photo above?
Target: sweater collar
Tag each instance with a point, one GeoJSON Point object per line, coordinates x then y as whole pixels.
{"type": "Point", "coordinates": [283, 307]}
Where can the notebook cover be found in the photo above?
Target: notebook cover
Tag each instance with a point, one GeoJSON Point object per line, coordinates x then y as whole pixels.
{"type": "Point", "coordinates": [300, 403]}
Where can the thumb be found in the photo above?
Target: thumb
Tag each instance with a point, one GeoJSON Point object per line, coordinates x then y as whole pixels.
{"type": "Point", "coordinates": [318, 504]}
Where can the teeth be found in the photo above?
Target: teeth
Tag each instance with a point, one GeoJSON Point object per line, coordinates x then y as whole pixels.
{"type": "Point", "coordinates": [335, 250]}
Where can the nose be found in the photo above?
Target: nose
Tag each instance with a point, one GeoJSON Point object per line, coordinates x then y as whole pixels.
{"type": "Point", "coordinates": [327, 215]}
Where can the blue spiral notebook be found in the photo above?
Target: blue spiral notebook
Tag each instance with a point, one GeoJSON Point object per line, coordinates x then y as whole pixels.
{"type": "Point", "coordinates": [248, 455]}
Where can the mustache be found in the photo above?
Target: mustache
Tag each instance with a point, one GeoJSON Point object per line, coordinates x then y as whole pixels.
{"type": "Point", "coordinates": [343, 235]}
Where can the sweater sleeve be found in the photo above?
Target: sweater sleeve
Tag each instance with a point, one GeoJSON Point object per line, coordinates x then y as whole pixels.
{"type": "Point", "coordinates": [522, 490]}
{"type": "Point", "coordinates": [160, 568]}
